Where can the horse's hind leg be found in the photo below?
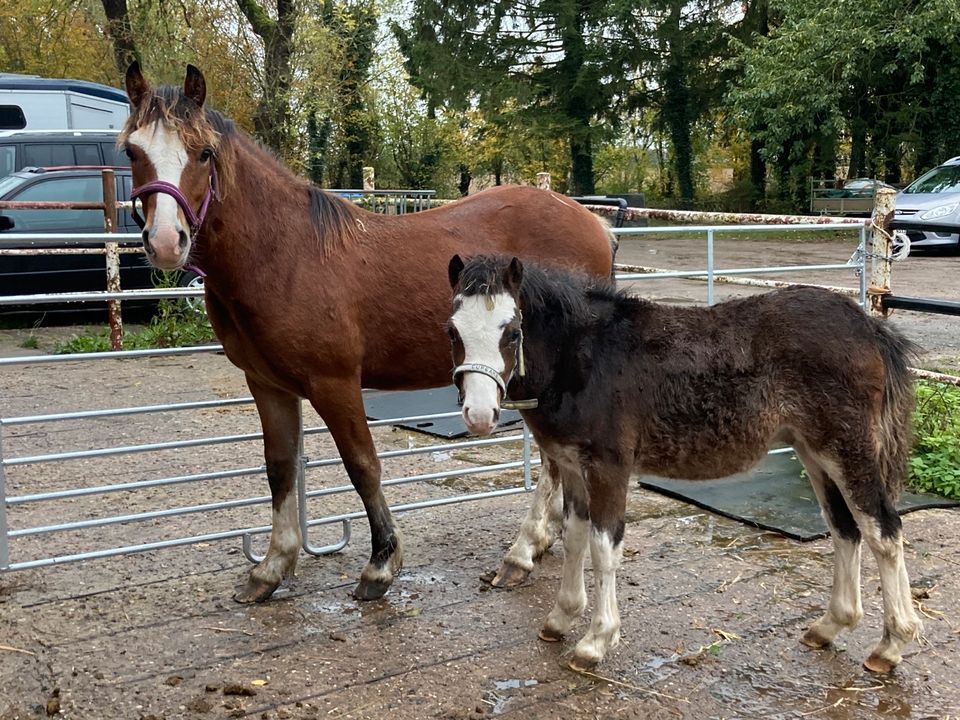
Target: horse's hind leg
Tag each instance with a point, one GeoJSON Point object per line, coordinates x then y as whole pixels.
{"type": "Point", "coordinates": [859, 477]}
{"type": "Point", "coordinates": [844, 610]}
{"type": "Point", "coordinates": [340, 404]}
{"type": "Point", "coordinates": [539, 529]}
{"type": "Point", "coordinates": [280, 417]}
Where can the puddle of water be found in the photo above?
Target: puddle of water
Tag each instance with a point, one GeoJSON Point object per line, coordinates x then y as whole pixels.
{"type": "Point", "coordinates": [497, 702]}
{"type": "Point", "coordinates": [513, 684]}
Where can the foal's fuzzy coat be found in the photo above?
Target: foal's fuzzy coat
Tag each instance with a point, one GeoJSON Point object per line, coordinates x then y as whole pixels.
{"type": "Point", "coordinates": [625, 385]}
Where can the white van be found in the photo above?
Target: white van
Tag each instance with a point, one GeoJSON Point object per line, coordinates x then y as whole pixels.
{"type": "Point", "coordinates": [29, 102]}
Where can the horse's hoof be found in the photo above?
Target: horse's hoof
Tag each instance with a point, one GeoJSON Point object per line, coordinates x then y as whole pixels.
{"type": "Point", "coordinates": [509, 576]}
{"type": "Point", "coordinates": [549, 634]}
{"type": "Point", "coordinates": [254, 591]}
{"type": "Point", "coordinates": [582, 664]}
{"type": "Point", "coordinates": [812, 639]}
{"type": "Point", "coordinates": [370, 589]}
{"type": "Point", "coordinates": [878, 664]}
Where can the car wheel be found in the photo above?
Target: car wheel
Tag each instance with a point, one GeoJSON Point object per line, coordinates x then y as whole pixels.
{"type": "Point", "coordinates": [194, 280]}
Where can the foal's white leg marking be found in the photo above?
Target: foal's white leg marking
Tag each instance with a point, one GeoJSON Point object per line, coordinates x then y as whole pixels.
{"type": "Point", "coordinates": [538, 531]}
{"type": "Point", "coordinates": [281, 558]}
{"type": "Point", "coordinates": [572, 598]}
{"type": "Point", "coordinates": [480, 320]}
{"type": "Point", "coordinates": [845, 610]}
{"type": "Point", "coordinates": [900, 623]}
{"type": "Point", "coordinates": [604, 632]}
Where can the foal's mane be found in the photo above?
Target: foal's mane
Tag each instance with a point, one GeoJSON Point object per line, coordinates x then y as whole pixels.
{"type": "Point", "coordinates": [546, 292]}
{"type": "Point", "coordinates": [333, 218]}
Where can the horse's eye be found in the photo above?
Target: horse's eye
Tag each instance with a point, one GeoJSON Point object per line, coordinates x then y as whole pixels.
{"type": "Point", "coordinates": [514, 335]}
{"type": "Point", "coordinates": [206, 154]}
{"type": "Point", "coordinates": [128, 153]}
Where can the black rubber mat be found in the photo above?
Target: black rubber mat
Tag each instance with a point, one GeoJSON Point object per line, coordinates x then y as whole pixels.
{"type": "Point", "coordinates": [773, 496]}
{"type": "Point", "coordinates": [382, 405]}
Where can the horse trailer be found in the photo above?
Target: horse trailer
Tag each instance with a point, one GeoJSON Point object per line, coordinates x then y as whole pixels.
{"type": "Point", "coordinates": [30, 102]}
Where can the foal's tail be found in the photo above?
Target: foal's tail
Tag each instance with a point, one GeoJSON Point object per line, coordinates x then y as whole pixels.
{"type": "Point", "coordinates": [896, 413]}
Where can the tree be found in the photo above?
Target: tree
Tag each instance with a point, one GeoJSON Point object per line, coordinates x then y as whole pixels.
{"type": "Point", "coordinates": [562, 64]}
{"type": "Point", "coordinates": [878, 78]}
{"type": "Point", "coordinates": [120, 32]}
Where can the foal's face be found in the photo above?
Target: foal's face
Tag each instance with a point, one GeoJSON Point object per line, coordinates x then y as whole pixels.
{"type": "Point", "coordinates": [484, 330]}
{"type": "Point", "coordinates": [157, 151]}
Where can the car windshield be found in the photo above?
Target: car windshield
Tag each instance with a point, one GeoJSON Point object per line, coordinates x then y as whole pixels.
{"type": "Point", "coordinates": [944, 179]}
{"type": "Point", "coordinates": [9, 183]}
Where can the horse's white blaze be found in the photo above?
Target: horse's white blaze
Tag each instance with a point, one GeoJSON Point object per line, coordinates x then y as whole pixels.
{"type": "Point", "coordinates": [480, 320]}
{"type": "Point", "coordinates": [604, 632]}
{"type": "Point", "coordinates": [168, 156]}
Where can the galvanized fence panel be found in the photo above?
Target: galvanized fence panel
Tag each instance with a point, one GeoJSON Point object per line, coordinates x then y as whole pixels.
{"type": "Point", "coordinates": [9, 536]}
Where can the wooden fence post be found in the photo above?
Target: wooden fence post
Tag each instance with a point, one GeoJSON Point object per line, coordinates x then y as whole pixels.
{"type": "Point", "coordinates": [881, 249]}
{"type": "Point", "coordinates": [112, 253]}
{"type": "Point", "coordinates": [543, 180]}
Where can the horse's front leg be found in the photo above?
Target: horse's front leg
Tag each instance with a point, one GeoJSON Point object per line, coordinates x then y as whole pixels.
{"type": "Point", "coordinates": [280, 417]}
{"type": "Point", "coordinates": [539, 529]}
{"type": "Point", "coordinates": [340, 404]}
{"type": "Point", "coordinates": [607, 487]}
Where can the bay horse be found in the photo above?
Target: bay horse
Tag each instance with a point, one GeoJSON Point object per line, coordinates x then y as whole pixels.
{"type": "Point", "coordinates": [625, 385]}
{"type": "Point", "coordinates": [315, 298]}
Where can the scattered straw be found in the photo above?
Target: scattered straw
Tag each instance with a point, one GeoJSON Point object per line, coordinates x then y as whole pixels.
{"type": "Point", "coordinates": [7, 648]}
{"type": "Point", "coordinates": [618, 683]}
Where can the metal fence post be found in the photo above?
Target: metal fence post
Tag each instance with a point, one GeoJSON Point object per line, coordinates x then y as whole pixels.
{"type": "Point", "coordinates": [881, 249]}
{"type": "Point", "coordinates": [112, 253]}
{"type": "Point", "coordinates": [4, 540]}
{"type": "Point", "coordinates": [710, 267]}
{"type": "Point", "coordinates": [527, 474]}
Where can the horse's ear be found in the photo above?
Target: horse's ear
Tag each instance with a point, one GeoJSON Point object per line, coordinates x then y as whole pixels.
{"type": "Point", "coordinates": [136, 85]}
{"type": "Point", "coordinates": [194, 86]}
{"type": "Point", "coordinates": [454, 269]}
{"type": "Point", "coordinates": [514, 274]}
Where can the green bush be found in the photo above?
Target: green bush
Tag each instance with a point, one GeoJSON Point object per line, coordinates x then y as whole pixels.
{"type": "Point", "coordinates": [174, 325]}
{"type": "Point", "coordinates": [935, 462]}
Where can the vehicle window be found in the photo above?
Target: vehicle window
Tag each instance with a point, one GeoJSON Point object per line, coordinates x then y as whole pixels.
{"type": "Point", "coordinates": [8, 160]}
{"type": "Point", "coordinates": [112, 155]}
{"type": "Point", "coordinates": [939, 180]}
{"type": "Point", "coordinates": [85, 189]}
{"type": "Point", "coordinates": [11, 118]}
{"type": "Point", "coordinates": [9, 183]}
{"type": "Point", "coordinates": [38, 155]}
{"type": "Point", "coordinates": [87, 154]}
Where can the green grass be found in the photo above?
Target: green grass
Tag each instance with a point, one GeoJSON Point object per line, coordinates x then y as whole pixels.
{"type": "Point", "coordinates": [935, 462]}
{"type": "Point", "coordinates": [174, 325]}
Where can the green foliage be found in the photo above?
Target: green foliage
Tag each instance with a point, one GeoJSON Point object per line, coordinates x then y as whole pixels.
{"type": "Point", "coordinates": [935, 462]}
{"type": "Point", "coordinates": [174, 325]}
{"type": "Point", "coordinates": [30, 342]}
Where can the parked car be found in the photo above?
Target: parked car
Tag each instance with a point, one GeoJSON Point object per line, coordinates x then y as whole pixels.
{"type": "Point", "coordinates": [47, 148]}
{"type": "Point", "coordinates": [30, 274]}
{"type": "Point", "coordinates": [928, 209]}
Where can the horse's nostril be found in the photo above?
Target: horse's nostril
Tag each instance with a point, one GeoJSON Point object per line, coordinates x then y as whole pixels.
{"type": "Point", "coordinates": [496, 416]}
{"type": "Point", "coordinates": [146, 242]}
{"type": "Point", "coordinates": [183, 240]}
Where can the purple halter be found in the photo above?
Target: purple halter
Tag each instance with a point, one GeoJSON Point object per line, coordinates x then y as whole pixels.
{"type": "Point", "coordinates": [162, 186]}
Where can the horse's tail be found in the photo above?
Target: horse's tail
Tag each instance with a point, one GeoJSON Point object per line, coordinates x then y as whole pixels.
{"type": "Point", "coordinates": [896, 412]}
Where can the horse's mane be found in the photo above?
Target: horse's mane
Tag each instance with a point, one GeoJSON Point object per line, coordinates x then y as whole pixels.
{"type": "Point", "coordinates": [333, 218]}
{"type": "Point", "coordinates": [564, 296]}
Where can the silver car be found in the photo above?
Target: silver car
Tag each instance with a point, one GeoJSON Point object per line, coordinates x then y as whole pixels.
{"type": "Point", "coordinates": [928, 209]}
